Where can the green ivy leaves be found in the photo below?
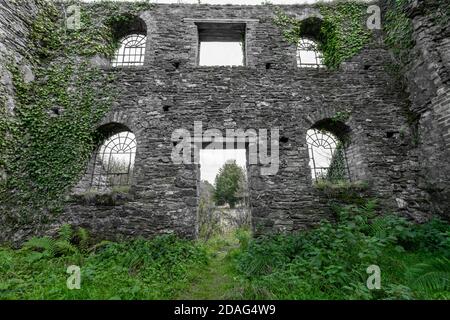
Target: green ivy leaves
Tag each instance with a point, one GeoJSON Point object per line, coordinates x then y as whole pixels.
{"type": "Point", "coordinates": [46, 145]}
{"type": "Point", "coordinates": [343, 33]}
{"type": "Point", "coordinates": [398, 31]}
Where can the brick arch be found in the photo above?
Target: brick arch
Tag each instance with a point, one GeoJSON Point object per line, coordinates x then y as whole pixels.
{"type": "Point", "coordinates": [121, 119]}
{"type": "Point", "coordinates": [309, 13]}
{"type": "Point", "coordinates": [152, 31]}
{"type": "Point", "coordinates": [316, 115]}
{"type": "Point", "coordinates": [109, 127]}
{"type": "Point", "coordinates": [132, 24]}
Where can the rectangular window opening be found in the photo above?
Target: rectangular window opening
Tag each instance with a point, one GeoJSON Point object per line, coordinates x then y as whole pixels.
{"type": "Point", "coordinates": [221, 44]}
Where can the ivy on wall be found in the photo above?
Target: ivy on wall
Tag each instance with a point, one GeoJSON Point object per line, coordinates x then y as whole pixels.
{"type": "Point", "coordinates": [95, 37]}
{"type": "Point", "coordinates": [343, 31]}
{"type": "Point", "coordinates": [398, 27]}
{"type": "Point", "coordinates": [48, 141]}
{"type": "Point", "coordinates": [398, 31]}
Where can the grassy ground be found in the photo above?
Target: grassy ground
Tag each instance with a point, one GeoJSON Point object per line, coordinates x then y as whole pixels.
{"type": "Point", "coordinates": [156, 269]}
{"type": "Point", "coordinates": [329, 262]}
{"type": "Point", "coordinates": [216, 280]}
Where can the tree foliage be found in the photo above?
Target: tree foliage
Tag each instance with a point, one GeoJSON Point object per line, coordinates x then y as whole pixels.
{"type": "Point", "coordinates": [229, 184]}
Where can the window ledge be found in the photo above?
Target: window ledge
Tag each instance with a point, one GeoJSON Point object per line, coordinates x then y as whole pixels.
{"type": "Point", "coordinates": [212, 20]}
{"type": "Point", "coordinates": [99, 198]}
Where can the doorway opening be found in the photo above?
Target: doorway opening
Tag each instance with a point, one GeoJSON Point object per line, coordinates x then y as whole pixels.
{"type": "Point", "coordinates": [223, 192]}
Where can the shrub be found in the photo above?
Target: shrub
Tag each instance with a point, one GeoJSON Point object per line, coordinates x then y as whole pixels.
{"type": "Point", "coordinates": [140, 269]}
{"type": "Point", "coordinates": [330, 261]}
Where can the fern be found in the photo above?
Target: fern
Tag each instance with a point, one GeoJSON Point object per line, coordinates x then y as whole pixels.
{"type": "Point", "coordinates": [432, 276]}
{"type": "Point", "coordinates": [66, 232]}
{"type": "Point", "coordinates": [43, 244]}
{"type": "Point", "coordinates": [83, 237]}
{"type": "Point", "coordinates": [50, 247]}
{"type": "Point", "coordinates": [63, 247]}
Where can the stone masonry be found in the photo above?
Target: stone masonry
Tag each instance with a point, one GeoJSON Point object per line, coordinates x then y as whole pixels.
{"type": "Point", "coordinates": [171, 91]}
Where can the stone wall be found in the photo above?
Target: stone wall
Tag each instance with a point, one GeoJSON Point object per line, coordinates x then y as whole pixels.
{"type": "Point", "coordinates": [16, 18]}
{"type": "Point", "coordinates": [170, 92]}
{"type": "Point", "coordinates": [428, 83]}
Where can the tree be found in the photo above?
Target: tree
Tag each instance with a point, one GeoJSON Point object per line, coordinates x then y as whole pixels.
{"type": "Point", "coordinates": [229, 184]}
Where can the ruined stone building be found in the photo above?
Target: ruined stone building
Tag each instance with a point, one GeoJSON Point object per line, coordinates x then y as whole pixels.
{"type": "Point", "coordinates": [392, 129]}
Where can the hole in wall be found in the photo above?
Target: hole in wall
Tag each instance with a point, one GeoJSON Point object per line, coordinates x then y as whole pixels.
{"type": "Point", "coordinates": [114, 162]}
{"type": "Point", "coordinates": [166, 108]}
{"type": "Point", "coordinates": [268, 65]}
{"type": "Point", "coordinates": [391, 134]}
{"type": "Point", "coordinates": [176, 65]}
{"type": "Point", "coordinates": [56, 111]}
{"type": "Point", "coordinates": [284, 139]}
{"type": "Point", "coordinates": [223, 191]}
{"type": "Point", "coordinates": [221, 44]}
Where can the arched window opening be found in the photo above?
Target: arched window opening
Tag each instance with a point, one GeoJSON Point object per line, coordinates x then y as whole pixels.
{"type": "Point", "coordinates": [326, 156]}
{"type": "Point", "coordinates": [130, 32]}
{"type": "Point", "coordinates": [308, 54]}
{"type": "Point", "coordinates": [114, 162]}
{"type": "Point", "coordinates": [131, 51]}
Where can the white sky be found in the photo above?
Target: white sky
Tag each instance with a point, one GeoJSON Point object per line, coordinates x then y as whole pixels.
{"type": "Point", "coordinates": [221, 54]}
{"type": "Point", "coordinates": [212, 160]}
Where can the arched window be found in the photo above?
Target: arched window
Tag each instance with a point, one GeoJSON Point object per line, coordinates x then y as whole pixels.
{"type": "Point", "coordinates": [308, 54]}
{"type": "Point", "coordinates": [326, 156]}
{"type": "Point", "coordinates": [114, 161]}
{"type": "Point", "coordinates": [131, 51]}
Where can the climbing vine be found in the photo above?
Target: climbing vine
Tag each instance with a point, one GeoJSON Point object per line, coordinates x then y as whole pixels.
{"type": "Point", "coordinates": [50, 37]}
{"type": "Point", "coordinates": [398, 28]}
{"type": "Point", "coordinates": [342, 34]}
{"type": "Point", "coordinates": [46, 144]}
{"type": "Point", "coordinates": [398, 31]}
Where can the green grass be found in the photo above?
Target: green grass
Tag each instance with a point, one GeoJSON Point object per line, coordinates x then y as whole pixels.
{"type": "Point", "coordinates": [139, 269]}
{"type": "Point", "coordinates": [217, 280]}
{"type": "Point", "coordinates": [328, 262]}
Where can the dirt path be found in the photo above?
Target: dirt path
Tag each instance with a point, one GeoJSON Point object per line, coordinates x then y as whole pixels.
{"type": "Point", "coordinates": [216, 280]}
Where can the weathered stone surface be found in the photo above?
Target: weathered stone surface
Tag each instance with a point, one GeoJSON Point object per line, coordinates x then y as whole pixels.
{"type": "Point", "coordinates": [158, 98]}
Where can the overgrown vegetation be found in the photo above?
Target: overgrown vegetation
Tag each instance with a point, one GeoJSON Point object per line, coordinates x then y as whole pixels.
{"type": "Point", "coordinates": [45, 146]}
{"type": "Point", "coordinates": [329, 262]}
{"type": "Point", "coordinates": [53, 134]}
{"type": "Point", "coordinates": [398, 27]}
{"type": "Point", "coordinates": [342, 33]}
{"type": "Point", "coordinates": [398, 31]}
{"type": "Point", "coordinates": [208, 219]}
{"type": "Point", "coordinates": [138, 269]}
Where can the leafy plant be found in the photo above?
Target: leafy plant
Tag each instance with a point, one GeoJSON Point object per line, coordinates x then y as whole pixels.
{"type": "Point", "coordinates": [330, 261]}
{"type": "Point", "coordinates": [230, 184]}
{"type": "Point", "coordinates": [140, 269]}
{"type": "Point", "coordinates": [398, 30]}
{"type": "Point", "coordinates": [342, 32]}
{"type": "Point", "coordinates": [431, 276]}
